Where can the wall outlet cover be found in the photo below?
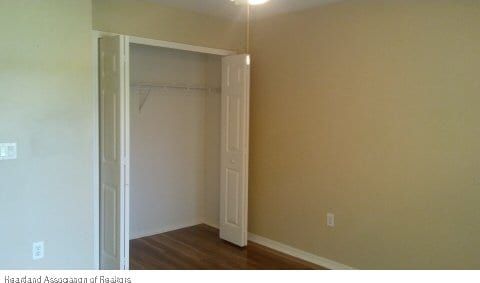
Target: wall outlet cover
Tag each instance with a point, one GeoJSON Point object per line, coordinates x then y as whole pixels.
{"type": "Point", "coordinates": [330, 220]}
{"type": "Point", "coordinates": [38, 250]}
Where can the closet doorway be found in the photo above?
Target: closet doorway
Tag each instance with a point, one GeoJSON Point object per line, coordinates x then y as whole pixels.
{"type": "Point", "coordinates": [173, 131]}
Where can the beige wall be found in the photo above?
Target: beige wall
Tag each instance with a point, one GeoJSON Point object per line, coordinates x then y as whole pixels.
{"type": "Point", "coordinates": [47, 108]}
{"type": "Point", "coordinates": [369, 109]}
{"type": "Point", "coordinates": [364, 108]}
{"type": "Point", "coordinates": [151, 20]}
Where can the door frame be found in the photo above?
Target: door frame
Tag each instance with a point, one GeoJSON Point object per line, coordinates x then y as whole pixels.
{"type": "Point", "coordinates": [96, 35]}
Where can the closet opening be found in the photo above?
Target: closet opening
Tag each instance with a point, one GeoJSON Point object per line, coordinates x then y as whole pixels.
{"type": "Point", "coordinates": [174, 139]}
{"type": "Point", "coordinates": [175, 136]}
{"type": "Point", "coordinates": [173, 152]}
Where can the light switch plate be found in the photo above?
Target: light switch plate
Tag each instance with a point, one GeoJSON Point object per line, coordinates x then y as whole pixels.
{"type": "Point", "coordinates": [8, 151]}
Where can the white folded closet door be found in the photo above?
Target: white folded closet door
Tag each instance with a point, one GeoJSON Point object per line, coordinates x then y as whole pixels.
{"type": "Point", "coordinates": [234, 151]}
{"type": "Point", "coordinates": [113, 163]}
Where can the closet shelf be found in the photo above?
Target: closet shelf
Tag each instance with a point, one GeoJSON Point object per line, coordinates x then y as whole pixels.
{"type": "Point", "coordinates": [175, 86]}
{"type": "Point", "coordinates": [146, 87]}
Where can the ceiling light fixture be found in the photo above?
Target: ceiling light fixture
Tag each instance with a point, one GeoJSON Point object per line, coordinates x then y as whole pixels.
{"type": "Point", "coordinates": [257, 2]}
{"type": "Point", "coordinates": [250, 2]}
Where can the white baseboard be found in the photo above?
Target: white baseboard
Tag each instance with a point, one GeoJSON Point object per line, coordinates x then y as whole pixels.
{"type": "Point", "coordinates": [324, 262]}
{"type": "Point", "coordinates": [163, 229]}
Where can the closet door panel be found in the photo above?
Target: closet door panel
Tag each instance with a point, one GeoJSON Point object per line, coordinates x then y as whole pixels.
{"type": "Point", "coordinates": [112, 157]}
{"type": "Point", "coordinates": [234, 149]}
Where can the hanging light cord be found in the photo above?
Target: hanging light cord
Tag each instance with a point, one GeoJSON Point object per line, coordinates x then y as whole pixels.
{"type": "Point", "coordinates": [247, 31]}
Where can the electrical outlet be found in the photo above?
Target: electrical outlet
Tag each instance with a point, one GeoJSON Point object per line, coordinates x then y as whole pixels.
{"type": "Point", "coordinates": [38, 250]}
{"type": "Point", "coordinates": [330, 220]}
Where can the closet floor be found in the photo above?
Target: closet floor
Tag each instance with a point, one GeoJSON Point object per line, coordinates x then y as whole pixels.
{"type": "Point", "coordinates": [199, 247]}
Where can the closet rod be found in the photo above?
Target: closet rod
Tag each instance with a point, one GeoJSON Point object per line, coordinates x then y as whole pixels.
{"type": "Point", "coordinates": [172, 86]}
{"type": "Point", "coordinates": [145, 89]}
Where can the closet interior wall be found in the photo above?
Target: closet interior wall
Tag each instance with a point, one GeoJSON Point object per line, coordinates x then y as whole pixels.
{"type": "Point", "coordinates": [175, 140]}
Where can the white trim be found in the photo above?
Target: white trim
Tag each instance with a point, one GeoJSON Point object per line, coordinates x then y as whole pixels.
{"type": "Point", "coordinates": [324, 262]}
{"type": "Point", "coordinates": [124, 243]}
{"type": "Point", "coordinates": [96, 158]}
{"type": "Point", "coordinates": [169, 44]}
{"type": "Point", "coordinates": [247, 136]}
{"type": "Point", "coordinates": [126, 156]}
{"type": "Point", "coordinates": [168, 228]}
{"type": "Point", "coordinates": [180, 46]}
{"type": "Point", "coordinates": [96, 166]}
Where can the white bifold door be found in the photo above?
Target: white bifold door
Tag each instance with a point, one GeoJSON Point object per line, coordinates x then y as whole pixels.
{"type": "Point", "coordinates": [234, 151]}
{"type": "Point", "coordinates": [113, 153]}
{"type": "Point", "coordinates": [114, 150]}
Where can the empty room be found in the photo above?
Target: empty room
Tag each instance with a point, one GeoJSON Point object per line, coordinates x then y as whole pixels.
{"type": "Point", "coordinates": [240, 134]}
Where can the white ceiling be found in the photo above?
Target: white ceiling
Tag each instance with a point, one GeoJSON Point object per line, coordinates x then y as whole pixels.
{"type": "Point", "coordinates": [227, 9]}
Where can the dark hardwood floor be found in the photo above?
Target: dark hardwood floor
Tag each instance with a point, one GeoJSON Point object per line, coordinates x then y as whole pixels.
{"type": "Point", "coordinates": [199, 247]}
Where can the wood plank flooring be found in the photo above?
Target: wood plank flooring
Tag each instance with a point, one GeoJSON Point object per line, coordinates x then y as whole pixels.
{"type": "Point", "coordinates": [199, 247]}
